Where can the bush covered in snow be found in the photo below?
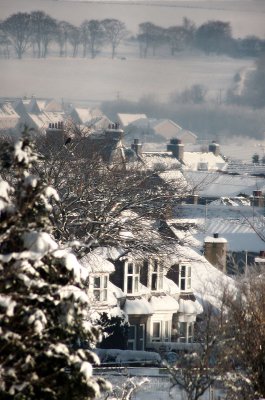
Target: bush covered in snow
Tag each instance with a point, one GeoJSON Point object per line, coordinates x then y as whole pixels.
{"type": "Point", "coordinates": [43, 308]}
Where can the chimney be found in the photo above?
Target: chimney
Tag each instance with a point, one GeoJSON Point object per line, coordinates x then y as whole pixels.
{"type": "Point", "coordinates": [215, 250]}
{"type": "Point", "coordinates": [214, 148]}
{"type": "Point", "coordinates": [193, 199]}
{"type": "Point", "coordinates": [137, 147]}
{"type": "Point", "coordinates": [114, 132]}
{"type": "Point", "coordinates": [177, 149]}
{"type": "Point", "coordinates": [55, 132]}
{"type": "Point", "coordinates": [257, 199]}
{"type": "Point", "coordinates": [260, 261]}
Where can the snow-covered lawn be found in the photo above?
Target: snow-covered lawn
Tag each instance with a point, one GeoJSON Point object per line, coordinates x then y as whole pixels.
{"type": "Point", "coordinates": [93, 81]}
{"type": "Point", "coordinates": [155, 387]}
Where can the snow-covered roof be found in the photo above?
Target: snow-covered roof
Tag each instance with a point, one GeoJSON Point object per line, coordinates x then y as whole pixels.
{"type": "Point", "coordinates": [231, 223]}
{"type": "Point", "coordinates": [208, 282]}
{"type": "Point", "coordinates": [97, 264]}
{"type": "Point", "coordinates": [53, 106]}
{"type": "Point", "coordinates": [8, 116]}
{"type": "Point", "coordinates": [161, 160]}
{"type": "Point", "coordinates": [164, 303]}
{"type": "Point", "coordinates": [156, 123]}
{"type": "Point", "coordinates": [43, 119]}
{"type": "Point", "coordinates": [195, 161]}
{"type": "Point", "coordinates": [170, 287]}
{"type": "Point", "coordinates": [138, 307]}
{"type": "Point", "coordinates": [187, 306]}
{"type": "Point", "coordinates": [127, 119]}
{"type": "Point", "coordinates": [223, 185]}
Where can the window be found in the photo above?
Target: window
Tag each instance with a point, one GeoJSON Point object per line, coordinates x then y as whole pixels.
{"type": "Point", "coordinates": [141, 336]}
{"type": "Point", "coordinates": [185, 330]}
{"type": "Point", "coordinates": [133, 278]}
{"type": "Point", "coordinates": [156, 275]}
{"type": "Point", "coordinates": [132, 337]}
{"type": "Point", "coordinates": [156, 332]}
{"type": "Point", "coordinates": [166, 331]}
{"type": "Point", "coordinates": [100, 289]}
{"type": "Point", "coordinates": [184, 277]}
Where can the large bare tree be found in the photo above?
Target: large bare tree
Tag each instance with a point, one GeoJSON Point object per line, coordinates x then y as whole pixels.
{"type": "Point", "coordinates": [18, 28]}
{"type": "Point", "coordinates": [115, 31]}
{"type": "Point", "coordinates": [108, 202]}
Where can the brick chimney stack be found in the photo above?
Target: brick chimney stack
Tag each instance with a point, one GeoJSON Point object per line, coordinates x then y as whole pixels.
{"type": "Point", "coordinates": [215, 250]}
{"type": "Point", "coordinates": [177, 149]}
{"type": "Point", "coordinates": [257, 199]}
{"type": "Point", "coordinates": [214, 148]}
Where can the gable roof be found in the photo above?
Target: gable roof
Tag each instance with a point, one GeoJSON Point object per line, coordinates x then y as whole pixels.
{"type": "Point", "coordinates": [127, 119]}
{"type": "Point", "coordinates": [156, 123]}
{"type": "Point", "coordinates": [53, 106]}
{"type": "Point", "coordinates": [8, 116]}
{"type": "Point", "coordinates": [42, 120]}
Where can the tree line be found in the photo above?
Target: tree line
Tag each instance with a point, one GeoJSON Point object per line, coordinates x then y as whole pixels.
{"type": "Point", "coordinates": [37, 31]}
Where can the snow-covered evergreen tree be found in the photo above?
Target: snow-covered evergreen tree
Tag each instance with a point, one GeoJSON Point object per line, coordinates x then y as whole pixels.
{"type": "Point", "coordinates": [43, 307]}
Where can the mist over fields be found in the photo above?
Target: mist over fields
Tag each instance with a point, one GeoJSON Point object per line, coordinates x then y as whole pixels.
{"type": "Point", "coordinates": [129, 78]}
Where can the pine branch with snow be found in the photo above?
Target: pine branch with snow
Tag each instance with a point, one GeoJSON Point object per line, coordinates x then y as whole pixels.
{"type": "Point", "coordinates": [43, 303]}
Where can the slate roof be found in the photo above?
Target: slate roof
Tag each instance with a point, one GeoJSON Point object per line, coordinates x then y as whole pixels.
{"type": "Point", "coordinates": [215, 185]}
{"type": "Point", "coordinates": [231, 223]}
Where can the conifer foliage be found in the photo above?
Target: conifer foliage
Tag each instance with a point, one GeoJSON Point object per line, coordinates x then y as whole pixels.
{"type": "Point", "coordinates": [43, 304]}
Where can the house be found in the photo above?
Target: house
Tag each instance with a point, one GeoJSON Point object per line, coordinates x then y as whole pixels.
{"type": "Point", "coordinates": [160, 296]}
{"type": "Point", "coordinates": [240, 227]}
{"type": "Point", "coordinates": [151, 129]}
{"type": "Point", "coordinates": [9, 119]}
{"type": "Point", "coordinates": [169, 129]}
{"type": "Point", "coordinates": [127, 119]}
{"type": "Point", "coordinates": [92, 118]}
{"type": "Point", "coordinates": [39, 114]}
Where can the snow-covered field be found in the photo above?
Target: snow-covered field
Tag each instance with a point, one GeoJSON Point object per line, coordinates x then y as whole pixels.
{"type": "Point", "coordinates": [246, 16]}
{"type": "Point", "coordinates": [92, 81]}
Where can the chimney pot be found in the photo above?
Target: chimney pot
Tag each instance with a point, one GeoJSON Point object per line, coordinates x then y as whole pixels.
{"type": "Point", "coordinates": [216, 235]}
{"type": "Point", "coordinates": [262, 253]}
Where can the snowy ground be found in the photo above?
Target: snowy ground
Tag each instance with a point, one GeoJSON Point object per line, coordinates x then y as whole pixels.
{"type": "Point", "coordinates": [93, 81]}
{"type": "Point", "coordinates": [157, 387]}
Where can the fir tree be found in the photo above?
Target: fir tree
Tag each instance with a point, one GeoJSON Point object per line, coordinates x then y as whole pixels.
{"type": "Point", "coordinates": [43, 303]}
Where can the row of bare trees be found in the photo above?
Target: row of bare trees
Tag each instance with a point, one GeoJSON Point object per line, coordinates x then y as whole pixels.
{"type": "Point", "coordinates": [37, 30]}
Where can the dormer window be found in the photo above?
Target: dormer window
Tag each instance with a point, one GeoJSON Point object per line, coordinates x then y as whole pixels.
{"type": "Point", "coordinates": [132, 278]}
{"type": "Point", "coordinates": [184, 277]}
{"type": "Point", "coordinates": [100, 288]}
{"type": "Point", "coordinates": [156, 275]}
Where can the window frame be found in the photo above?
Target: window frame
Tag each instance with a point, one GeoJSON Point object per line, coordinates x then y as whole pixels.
{"type": "Point", "coordinates": [132, 341]}
{"type": "Point", "coordinates": [132, 277]}
{"type": "Point", "coordinates": [102, 289]}
{"type": "Point", "coordinates": [184, 277]}
{"type": "Point", "coordinates": [155, 272]}
{"type": "Point", "coordinates": [187, 330]}
{"type": "Point", "coordinates": [157, 338]}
